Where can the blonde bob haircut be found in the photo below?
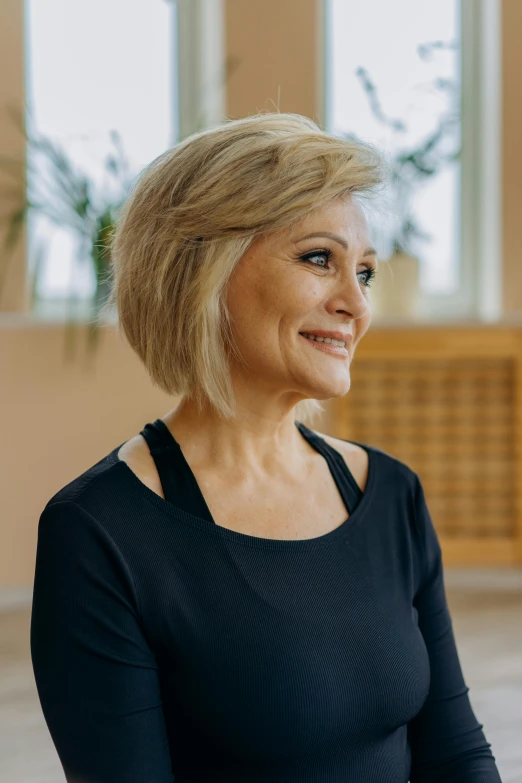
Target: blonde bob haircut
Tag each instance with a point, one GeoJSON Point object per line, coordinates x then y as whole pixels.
{"type": "Point", "coordinates": [190, 217]}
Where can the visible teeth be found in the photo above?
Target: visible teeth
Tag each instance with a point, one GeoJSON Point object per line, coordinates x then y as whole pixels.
{"type": "Point", "coordinates": [340, 343]}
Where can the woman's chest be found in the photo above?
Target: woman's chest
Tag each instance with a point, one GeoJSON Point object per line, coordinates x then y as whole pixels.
{"type": "Point", "coordinates": [308, 650]}
{"type": "Point", "coordinates": [277, 509]}
{"type": "Point", "coordinates": [280, 515]}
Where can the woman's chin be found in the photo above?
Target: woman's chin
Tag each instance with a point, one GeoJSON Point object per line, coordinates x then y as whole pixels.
{"type": "Point", "coordinates": [326, 391]}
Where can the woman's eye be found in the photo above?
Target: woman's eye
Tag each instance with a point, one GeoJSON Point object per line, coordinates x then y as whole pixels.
{"type": "Point", "coordinates": [370, 274]}
{"type": "Point", "coordinates": [324, 254]}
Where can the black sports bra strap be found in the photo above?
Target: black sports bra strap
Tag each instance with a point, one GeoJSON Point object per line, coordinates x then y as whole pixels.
{"type": "Point", "coordinates": [351, 492]}
{"type": "Point", "coordinates": [177, 480]}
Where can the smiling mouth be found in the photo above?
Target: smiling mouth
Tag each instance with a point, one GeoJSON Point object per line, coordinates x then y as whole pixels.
{"type": "Point", "coordinates": [334, 350]}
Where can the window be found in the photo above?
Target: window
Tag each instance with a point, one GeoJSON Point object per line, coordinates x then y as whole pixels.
{"type": "Point", "coordinates": [93, 68]}
{"type": "Point", "coordinates": [396, 75]}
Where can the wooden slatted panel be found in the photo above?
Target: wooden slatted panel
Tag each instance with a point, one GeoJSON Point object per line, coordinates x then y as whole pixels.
{"type": "Point", "coordinates": [452, 421]}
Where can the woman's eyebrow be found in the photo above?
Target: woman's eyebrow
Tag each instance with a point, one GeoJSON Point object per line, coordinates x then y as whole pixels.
{"type": "Point", "coordinates": [370, 251]}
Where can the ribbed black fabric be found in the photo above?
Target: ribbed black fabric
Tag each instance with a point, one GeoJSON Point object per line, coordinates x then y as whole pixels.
{"type": "Point", "coordinates": [168, 648]}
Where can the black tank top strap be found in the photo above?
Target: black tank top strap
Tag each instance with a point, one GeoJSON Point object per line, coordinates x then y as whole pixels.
{"type": "Point", "coordinates": [177, 480]}
{"type": "Point", "coordinates": [350, 491]}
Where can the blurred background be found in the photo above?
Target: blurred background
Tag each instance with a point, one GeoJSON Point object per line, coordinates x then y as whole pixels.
{"type": "Point", "coordinates": [92, 92]}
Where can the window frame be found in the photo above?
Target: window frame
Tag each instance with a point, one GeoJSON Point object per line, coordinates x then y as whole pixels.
{"type": "Point", "coordinates": [200, 56]}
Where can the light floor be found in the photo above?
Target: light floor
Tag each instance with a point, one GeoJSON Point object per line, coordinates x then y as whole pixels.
{"type": "Point", "coordinates": [487, 617]}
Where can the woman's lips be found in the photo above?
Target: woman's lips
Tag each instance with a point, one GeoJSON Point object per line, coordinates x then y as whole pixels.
{"type": "Point", "coordinates": [334, 350]}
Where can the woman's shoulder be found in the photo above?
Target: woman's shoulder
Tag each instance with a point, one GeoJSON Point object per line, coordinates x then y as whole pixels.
{"type": "Point", "coordinates": [96, 476]}
{"type": "Point", "coordinates": [136, 454]}
{"type": "Point", "coordinates": [104, 504]}
{"type": "Point", "coordinates": [357, 458]}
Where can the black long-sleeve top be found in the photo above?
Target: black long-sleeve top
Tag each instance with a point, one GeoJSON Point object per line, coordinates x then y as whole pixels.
{"type": "Point", "coordinates": [168, 648]}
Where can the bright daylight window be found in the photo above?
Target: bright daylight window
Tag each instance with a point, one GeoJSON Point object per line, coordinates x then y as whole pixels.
{"type": "Point", "coordinates": [394, 79]}
{"type": "Point", "coordinates": [92, 69]}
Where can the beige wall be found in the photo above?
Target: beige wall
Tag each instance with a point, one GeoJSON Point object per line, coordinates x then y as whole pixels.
{"type": "Point", "coordinates": [277, 45]}
{"type": "Point", "coordinates": [60, 418]}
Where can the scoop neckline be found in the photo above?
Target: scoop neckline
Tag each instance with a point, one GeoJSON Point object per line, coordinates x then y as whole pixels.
{"type": "Point", "coordinates": [244, 538]}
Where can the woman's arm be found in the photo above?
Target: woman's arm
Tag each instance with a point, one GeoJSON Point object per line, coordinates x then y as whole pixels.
{"type": "Point", "coordinates": [447, 742]}
{"type": "Point", "coordinates": [96, 676]}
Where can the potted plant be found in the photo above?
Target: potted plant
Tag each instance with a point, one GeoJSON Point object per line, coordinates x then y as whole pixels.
{"type": "Point", "coordinates": [69, 198]}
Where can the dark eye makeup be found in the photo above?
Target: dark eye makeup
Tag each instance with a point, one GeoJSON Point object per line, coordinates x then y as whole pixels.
{"type": "Point", "coordinates": [327, 253]}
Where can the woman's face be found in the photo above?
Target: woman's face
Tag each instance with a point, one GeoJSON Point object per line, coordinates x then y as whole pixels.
{"type": "Point", "coordinates": [289, 283]}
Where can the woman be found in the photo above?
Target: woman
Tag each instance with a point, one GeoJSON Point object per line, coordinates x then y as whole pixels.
{"type": "Point", "coordinates": [230, 595]}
